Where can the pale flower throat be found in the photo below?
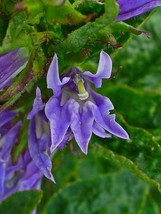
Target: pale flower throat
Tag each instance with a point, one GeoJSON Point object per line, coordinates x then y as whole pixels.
{"type": "Point", "coordinates": [83, 94]}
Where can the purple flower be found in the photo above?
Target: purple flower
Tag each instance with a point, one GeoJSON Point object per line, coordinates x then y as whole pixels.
{"type": "Point", "coordinates": [11, 64]}
{"type": "Point", "coordinates": [132, 8]}
{"type": "Point", "coordinates": [7, 141]}
{"type": "Point", "coordinates": [20, 176]}
{"type": "Point", "coordinates": [31, 176]}
{"type": "Point", "coordinates": [39, 140]}
{"type": "Point", "coordinates": [75, 108]}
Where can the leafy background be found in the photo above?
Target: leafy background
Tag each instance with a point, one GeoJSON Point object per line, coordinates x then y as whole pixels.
{"type": "Point", "coordinates": [116, 176]}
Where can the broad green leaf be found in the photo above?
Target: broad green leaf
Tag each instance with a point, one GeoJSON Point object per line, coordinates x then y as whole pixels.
{"type": "Point", "coordinates": [90, 8]}
{"type": "Point", "coordinates": [138, 108]}
{"type": "Point", "coordinates": [35, 11]}
{"type": "Point", "coordinates": [152, 202]}
{"type": "Point", "coordinates": [69, 168]}
{"type": "Point", "coordinates": [141, 58]}
{"type": "Point", "coordinates": [141, 154]}
{"type": "Point", "coordinates": [21, 202]}
{"type": "Point", "coordinates": [113, 193]}
{"type": "Point", "coordinates": [88, 33]}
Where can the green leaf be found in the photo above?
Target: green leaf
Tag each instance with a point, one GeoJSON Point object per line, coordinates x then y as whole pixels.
{"type": "Point", "coordinates": [35, 11]}
{"type": "Point", "coordinates": [21, 202]}
{"type": "Point", "coordinates": [138, 108]}
{"type": "Point", "coordinates": [141, 59]}
{"type": "Point", "coordinates": [68, 14]}
{"type": "Point", "coordinates": [88, 34]}
{"type": "Point", "coordinates": [69, 168]}
{"type": "Point", "coordinates": [113, 193]}
{"type": "Point", "coordinates": [141, 154]}
{"type": "Point", "coordinates": [90, 8]}
{"type": "Point", "coordinates": [151, 204]}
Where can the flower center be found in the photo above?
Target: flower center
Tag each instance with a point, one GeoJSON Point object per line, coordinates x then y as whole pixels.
{"type": "Point", "coordinates": [83, 94]}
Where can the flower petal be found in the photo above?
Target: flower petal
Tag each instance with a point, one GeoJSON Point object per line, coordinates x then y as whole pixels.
{"type": "Point", "coordinates": [99, 131]}
{"type": "Point", "coordinates": [68, 137]}
{"type": "Point", "coordinates": [104, 70]}
{"type": "Point", "coordinates": [132, 8]}
{"type": "Point", "coordinates": [38, 151]}
{"type": "Point", "coordinates": [59, 117]}
{"type": "Point", "coordinates": [81, 124]}
{"type": "Point", "coordinates": [9, 140]}
{"type": "Point", "coordinates": [6, 116]}
{"type": "Point", "coordinates": [46, 159]}
{"type": "Point", "coordinates": [2, 175]}
{"type": "Point", "coordinates": [28, 183]}
{"type": "Point", "coordinates": [108, 123]}
{"type": "Point", "coordinates": [103, 103]}
{"type": "Point", "coordinates": [114, 127]}
{"type": "Point", "coordinates": [11, 64]}
{"type": "Point", "coordinates": [37, 105]}
{"type": "Point", "coordinates": [102, 116]}
{"type": "Point", "coordinates": [53, 79]}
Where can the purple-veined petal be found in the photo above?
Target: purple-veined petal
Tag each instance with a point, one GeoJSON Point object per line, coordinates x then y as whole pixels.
{"type": "Point", "coordinates": [68, 137]}
{"type": "Point", "coordinates": [37, 105]}
{"type": "Point", "coordinates": [59, 117]}
{"type": "Point", "coordinates": [6, 116]}
{"type": "Point", "coordinates": [5, 85]}
{"type": "Point", "coordinates": [2, 175]}
{"type": "Point", "coordinates": [11, 64]}
{"type": "Point", "coordinates": [9, 140]}
{"type": "Point", "coordinates": [31, 175]}
{"type": "Point", "coordinates": [44, 152]}
{"type": "Point", "coordinates": [114, 127]}
{"type": "Point", "coordinates": [28, 183]}
{"type": "Point", "coordinates": [53, 79]}
{"type": "Point", "coordinates": [25, 159]}
{"type": "Point", "coordinates": [104, 70]}
{"type": "Point", "coordinates": [81, 124]}
{"type": "Point", "coordinates": [108, 123]}
{"type": "Point", "coordinates": [24, 175]}
{"type": "Point", "coordinates": [103, 103]}
{"type": "Point", "coordinates": [132, 8]}
{"type": "Point", "coordinates": [99, 131]}
{"type": "Point", "coordinates": [40, 157]}
{"type": "Point", "coordinates": [29, 167]}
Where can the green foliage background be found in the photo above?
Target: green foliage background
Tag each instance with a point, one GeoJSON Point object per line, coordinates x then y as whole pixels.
{"type": "Point", "coordinates": [116, 176]}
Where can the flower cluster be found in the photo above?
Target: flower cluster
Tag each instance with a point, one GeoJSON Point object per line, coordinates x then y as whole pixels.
{"type": "Point", "coordinates": [74, 111]}
{"type": "Point", "coordinates": [19, 176]}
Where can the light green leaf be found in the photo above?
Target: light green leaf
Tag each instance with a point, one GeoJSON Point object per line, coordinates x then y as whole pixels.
{"type": "Point", "coordinates": [141, 59]}
{"type": "Point", "coordinates": [113, 193]}
{"type": "Point", "coordinates": [141, 154]}
{"type": "Point", "coordinates": [88, 33]}
{"type": "Point", "coordinates": [68, 14]}
{"type": "Point", "coordinates": [21, 202]}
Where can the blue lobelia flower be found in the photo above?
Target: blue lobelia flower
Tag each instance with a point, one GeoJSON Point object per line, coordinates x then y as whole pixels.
{"type": "Point", "coordinates": [20, 176]}
{"type": "Point", "coordinates": [7, 140]}
{"type": "Point", "coordinates": [11, 64]}
{"type": "Point", "coordinates": [132, 8]}
{"type": "Point", "coordinates": [76, 110]}
{"type": "Point", "coordinates": [39, 140]}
